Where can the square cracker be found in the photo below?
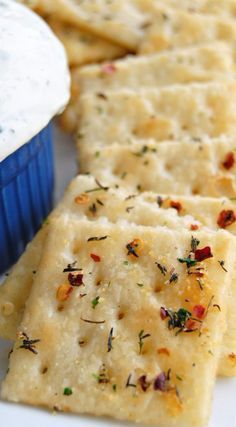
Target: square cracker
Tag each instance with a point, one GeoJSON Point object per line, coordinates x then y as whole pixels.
{"type": "Point", "coordinates": [83, 47]}
{"type": "Point", "coordinates": [226, 8]}
{"type": "Point", "coordinates": [170, 168]}
{"type": "Point", "coordinates": [180, 111]}
{"type": "Point", "coordinates": [117, 206]}
{"type": "Point", "coordinates": [196, 64]}
{"type": "Point", "coordinates": [89, 368]}
{"type": "Point", "coordinates": [170, 29]}
{"type": "Point", "coordinates": [119, 21]}
{"type": "Point", "coordinates": [131, 72]}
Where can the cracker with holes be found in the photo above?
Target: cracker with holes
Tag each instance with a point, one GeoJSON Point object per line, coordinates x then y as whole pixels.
{"type": "Point", "coordinates": [85, 198]}
{"type": "Point", "coordinates": [197, 64]}
{"type": "Point", "coordinates": [119, 21]}
{"type": "Point", "coordinates": [170, 29]}
{"type": "Point", "coordinates": [131, 333]}
{"type": "Point", "coordinates": [180, 111]}
{"type": "Point", "coordinates": [83, 47]}
{"type": "Point", "coordinates": [171, 168]}
{"type": "Point", "coordinates": [225, 8]}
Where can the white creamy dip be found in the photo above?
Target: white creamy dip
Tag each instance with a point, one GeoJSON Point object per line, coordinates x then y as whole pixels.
{"type": "Point", "coordinates": [34, 77]}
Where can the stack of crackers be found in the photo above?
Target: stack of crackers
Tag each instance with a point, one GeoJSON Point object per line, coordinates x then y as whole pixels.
{"type": "Point", "coordinates": [123, 304]}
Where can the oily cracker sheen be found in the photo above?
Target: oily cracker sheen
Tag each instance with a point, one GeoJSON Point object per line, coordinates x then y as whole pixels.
{"type": "Point", "coordinates": [180, 111]}
{"type": "Point", "coordinates": [88, 368]}
{"type": "Point", "coordinates": [117, 206]}
{"type": "Point", "coordinates": [171, 168]}
{"type": "Point", "coordinates": [170, 29]}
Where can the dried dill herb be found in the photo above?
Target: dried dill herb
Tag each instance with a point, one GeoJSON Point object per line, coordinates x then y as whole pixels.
{"type": "Point", "coordinates": [173, 278]}
{"type": "Point", "coordinates": [131, 196]}
{"type": "Point", "coordinates": [98, 188]}
{"type": "Point", "coordinates": [189, 261]}
{"type": "Point", "coordinates": [93, 208]}
{"type": "Point", "coordinates": [181, 319]}
{"type": "Point", "coordinates": [142, 336]}
{"type": "Point", "coordinates": [162, 268]}
{"type": "Point", "coordinates": [97, 239]}
{"type": "Point", "coordinates": [196, 255]}
{"type": "Point", "coordinates": [110, 339]}
{"type": "Point", "coordinates": [71, 267]}
{"type": "Point", "coordinates": [28, 344]}
{"type": "Point", "coordinates": [222, 264]}
{"type": "Point", "coordinates": [95, 302]}
{"type": "Point", "coordinates": [143, 150]}
{"type": "Point", "coordinates": [67, 391]}
{"type": "Point", "coordinates": [129, 208]}
{"type": "Point", "coordinates": [128, 383]}
{"type": "Point", "coordinates": [102, 376]}
{"type": "Point", "coordinates": [194, 244]}
{"type": "Point", "coordinates": [95, 322]}
{"type": "Point", "coordinates": [132, 247]}
{"type": "Point", "coordinates": [160, 201]}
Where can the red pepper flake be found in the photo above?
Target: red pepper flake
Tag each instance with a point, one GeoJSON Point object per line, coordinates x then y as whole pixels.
{"type": "Point", "coordinates": [75, 279]}
{"type": "Point", "coordinates": [202, 254]}
{"type": "Point", "coordinates": [163, 313]}
{"type": "Point", "coordinates": [198, 311]}
{"type": "Point", "coordinates": [108, 68]}
{"type": "Point", "coordinates": [95, 258]}
{"type": "Point", "coordinates": [164, 351]}
{"type": "Point", "coordinates": [194, 227]}
{"type": "Point", "coordinates": [82, 199]}
{"type": "Point", "coordinates": [144, 384]}
{"type": "Point", "coordinates": [226, 218]}
{"type": "Point", "coordinates": [191, 325]}
{"type": "Point", "coordinates": [64, 291]}
{"type": "Point", "coordinates": [176, 205]}
{"type": "Point", "coordinates": [229, 160]}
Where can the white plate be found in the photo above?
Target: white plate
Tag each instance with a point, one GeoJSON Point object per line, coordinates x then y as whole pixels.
{"type": "Point", "coordinates": [224, 405]}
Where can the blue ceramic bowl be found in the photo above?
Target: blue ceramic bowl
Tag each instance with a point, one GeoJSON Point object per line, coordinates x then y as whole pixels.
{"type": "Point", "coordinates": [26, 195]}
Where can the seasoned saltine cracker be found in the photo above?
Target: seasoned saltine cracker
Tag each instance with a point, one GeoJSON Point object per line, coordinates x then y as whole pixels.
{"type": "Point", "coordinates": [170, 28]}
{"type": "Point", "coordinates": [83, 47]}
{"type": "Point", "coordinates": [171, 168]}
{"type": "Point", "coordinates": [148, 209]}
{"type": "Point", "coordinates": [180, 111]}
{"type": "Point", "coordinates": [225, 8]}
{"type": "Point", "coordinates": [119, 21]}
{"type": "Point", "coordinates": [154, 24]}
{"type": "Point", "coordinates": [115, 347]}
{"type": "Point", "coordinates": [197, 64]}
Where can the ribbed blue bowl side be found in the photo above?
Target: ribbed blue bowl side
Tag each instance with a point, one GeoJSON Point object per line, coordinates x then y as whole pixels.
{"type": "Point", "coordinates": [26, 195]}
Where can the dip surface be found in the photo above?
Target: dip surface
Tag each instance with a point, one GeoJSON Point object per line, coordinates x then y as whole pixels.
{"type": "Point", "coordinates": [34, 76]}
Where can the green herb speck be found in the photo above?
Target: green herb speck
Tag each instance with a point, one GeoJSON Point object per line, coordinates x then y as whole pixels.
{"type": "Point", "coordinates": [67, 391]}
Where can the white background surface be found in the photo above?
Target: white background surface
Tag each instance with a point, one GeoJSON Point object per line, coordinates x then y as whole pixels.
{"type": "Point", "coordinates": [224, 405]}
